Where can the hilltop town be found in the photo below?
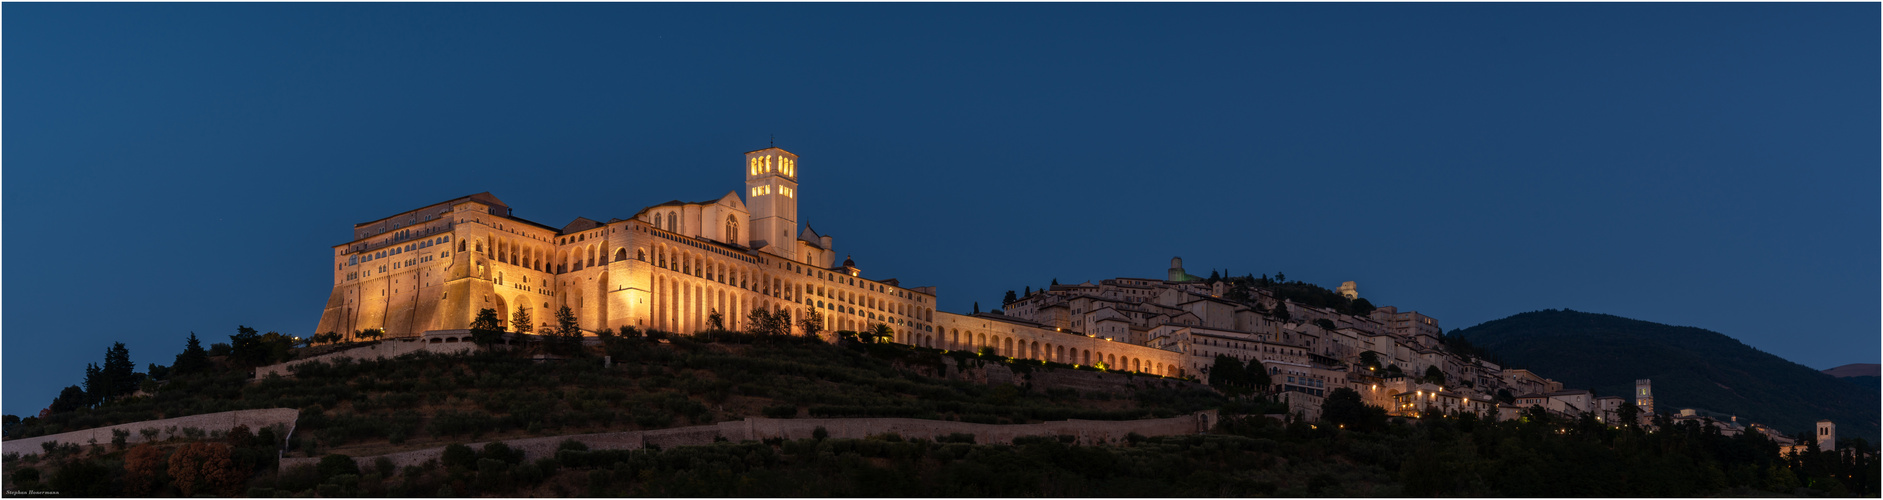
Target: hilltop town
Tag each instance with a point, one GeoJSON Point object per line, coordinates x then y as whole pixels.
{"type": "Point", "coordinates": [1397, 360]}
{"type": "Point", "coordinates": [586, 348]}
{"type": "Point", "coordinates": [685, 267]}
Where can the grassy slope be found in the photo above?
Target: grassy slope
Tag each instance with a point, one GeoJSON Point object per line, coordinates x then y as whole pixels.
{"type": "Point", "coordinates": [1690, 367]}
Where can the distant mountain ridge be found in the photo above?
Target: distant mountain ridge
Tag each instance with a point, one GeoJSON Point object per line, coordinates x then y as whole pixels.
{"type": "Point", "coordinates": [1690, 367]}
{"type": "Point", "coordinates": [1854, 370]}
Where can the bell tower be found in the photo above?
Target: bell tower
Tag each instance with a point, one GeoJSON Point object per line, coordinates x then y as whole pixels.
{"type": "Point", "coordinates": [771, 193]}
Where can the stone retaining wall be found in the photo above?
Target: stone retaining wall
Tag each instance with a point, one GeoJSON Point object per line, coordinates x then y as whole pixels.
{"type": "Point", "coordinates": [1088, 432]}
{"type": "Point", "coordinates": [386, 349]}
{"type": "Point", "coordinates": [166, 428]}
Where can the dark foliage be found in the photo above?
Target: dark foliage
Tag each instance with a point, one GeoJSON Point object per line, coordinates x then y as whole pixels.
{"type": "Point", "coordinates": [1690, 367]}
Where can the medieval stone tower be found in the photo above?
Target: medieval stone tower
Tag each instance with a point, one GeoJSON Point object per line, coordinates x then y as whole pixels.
{"type": "Point", "coordinates": [771, 182]}
{"type": "Point", "coordinates": [1827, 435]}
{"type": "Point", "coordinates": [1644, 396]}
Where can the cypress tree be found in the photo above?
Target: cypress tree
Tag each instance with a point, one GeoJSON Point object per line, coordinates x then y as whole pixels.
{"type": "Point", "coordinates": [95, 385]}
{"type": "Point", "coordinates": [119, 372]}
{"type": "Point", "coordinates": [193, 359]}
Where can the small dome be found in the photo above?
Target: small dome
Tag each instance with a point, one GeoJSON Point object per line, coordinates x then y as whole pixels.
{"type": "Point", "coordinates": [847, 262]}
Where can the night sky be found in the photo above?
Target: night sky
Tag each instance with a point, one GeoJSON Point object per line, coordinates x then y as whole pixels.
{"type": "Point", "coordinates": [179, 168]}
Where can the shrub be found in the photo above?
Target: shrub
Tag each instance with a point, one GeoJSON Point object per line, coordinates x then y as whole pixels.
{"type": "Point", "coordinates": [460, 455]}
{"type": "Point", "coordinates": [528, 474]}
{"type": "Point", "coordinates": [781, 411]}
{"type": "Point", "coordinates": [499, 451]}
{"type": "Point", "coordinates": [206, 467]}
{"type": "Point", "coordinates": [144, 468]}
{"type": "Point", "coordinates": [335, 464]}
{"type": "Point", "coordinates": [297, 478]}
{"type": "Point", "coordinates": [493, 475]}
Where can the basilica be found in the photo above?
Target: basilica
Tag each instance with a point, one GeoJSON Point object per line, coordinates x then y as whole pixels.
{"type": "Point", "coordinates": [670, 267]}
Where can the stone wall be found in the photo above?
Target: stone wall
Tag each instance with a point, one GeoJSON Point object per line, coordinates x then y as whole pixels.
{"type": "Point", "coordinates": [1088, 432]}
{"type": "Point", "coordinates": [1042, 378]}
{"type": "Point", "coordinates": [390, 348]}
{"type": "Point", "coordinates": [166, 428]}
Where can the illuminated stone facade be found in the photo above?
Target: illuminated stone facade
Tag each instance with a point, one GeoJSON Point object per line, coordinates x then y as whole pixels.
{"type": "Point", "coordinates": [668, 267]}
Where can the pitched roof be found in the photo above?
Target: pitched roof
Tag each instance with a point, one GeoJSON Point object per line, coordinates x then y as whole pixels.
{"type": "Point", "coordinates": [483, 197]}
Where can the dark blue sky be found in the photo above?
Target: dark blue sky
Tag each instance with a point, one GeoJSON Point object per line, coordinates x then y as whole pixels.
{"type": "Point", "coordinates": [178, 168]}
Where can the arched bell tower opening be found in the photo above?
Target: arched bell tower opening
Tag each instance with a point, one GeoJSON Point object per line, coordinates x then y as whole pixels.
{"type": "Point", "coordinates": [771, 182]}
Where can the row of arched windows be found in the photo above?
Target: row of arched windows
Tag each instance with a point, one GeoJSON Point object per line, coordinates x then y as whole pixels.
{"type": "Point", "coordinates": [1013, 347]}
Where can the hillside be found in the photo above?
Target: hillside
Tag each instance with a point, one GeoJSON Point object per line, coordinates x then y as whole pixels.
{"type": "Point", "coordinates": [422, 399]}
{"type": "Point", "coordinates": [1862, 374]}
{"type": "Point", "coordinates": [368, 409]}
{"type": "Point", "coordinates": [1854, 370]}
{"type": "Point", "coordinates": [1690, 367]}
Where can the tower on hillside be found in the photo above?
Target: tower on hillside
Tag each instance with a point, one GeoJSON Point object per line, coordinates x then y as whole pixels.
{"type": "Point", "coordinates": [1827, 435]}
{"type": "Point", "coordinates": [771, 191]}
{"type": "Point", "coordinates": [1350, 290]}
{"type": "Point", "coordinates": [1644, 396]}
{"type": "Point", "coordinates": [1176, 272]}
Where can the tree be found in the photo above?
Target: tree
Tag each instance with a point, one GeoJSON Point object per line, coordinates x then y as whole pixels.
{"type": "Point", "coordinates": [714, 320]}
{"type": "Point", "coordinates": [1281, 312]}
{"type": "Point", "coordinates": [193, 359]}
{"type": "Point", "coordinates": [977, 308]}
{"type": "Point", "coordinates": [1360, 307]}
{"type": "Point", "coordinates": [206, 467]}
{"type": "Point", "coordinates": [1344, 407]}
{"type": "Point", "coordinates": [1434, 376]}
{"type": "Point", "coordinates": [1010, 298]}
{"type": "Point", "coordinates": [335, 464]}
{"type": "Point", "coordinates": [1258, 376]}
{"type": "Point", "coordinates": [370, 333]}
{"type": "Point", "coordinates": [521, 322]}
{"type": "Point", "coordinates": [458, 455]}
{"type": "Point", "coordinates": [1324, 323]}
{"type": "Point", "coordinates": [157, 372]}
{"type": "Point", "coordinates": [1214, 277]}
{"type": "Point", "coordinates": [763, 323]}
{"type": "Point", "coordinates": [70, 399]}
{"type": "Point", "coordinates": [95, 385]}
{"type": "Point", "coordinates": [1629, 413]}
{"type": "Point", "coordinates": [486, 329]}
{"type": "Point", "coordinates": [811, 321]}
{"type": "Point", "coordinates": [880, 333]}
{"type": "Point", "coordinates": [1028, 292]}
{"type": "Point", "coordinates": [568, 335]}
{"type": "Point", "coordinates": [1280, 278]}
{"type": "Point", "coordinates": [1370, 359]}
{"type": "Point", "coordinates": [144, 470]}
{"type": "Point", "coordinates": [246, 348]}
{"type": "Point", "coordinates": [1055, 281]}
{"type": "Point", "coordinates": [120, 374]}
{"type": "Point", "coordinates": [1229, 375]}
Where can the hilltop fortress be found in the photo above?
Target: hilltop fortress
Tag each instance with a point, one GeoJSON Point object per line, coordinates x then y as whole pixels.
{"type": "Point", "coordinates": [672, 265]}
